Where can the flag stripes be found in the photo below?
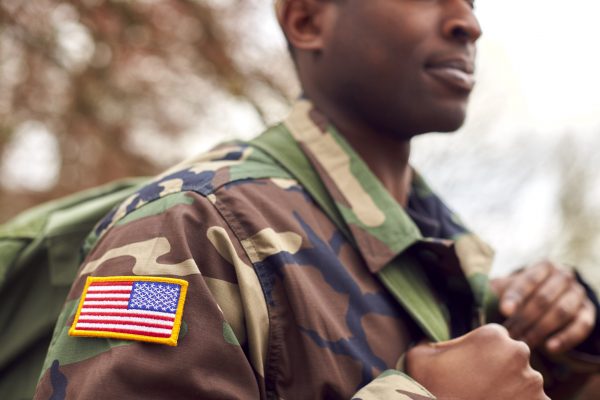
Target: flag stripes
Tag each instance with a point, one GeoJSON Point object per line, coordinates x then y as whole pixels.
{"type": "Point", "coordinates": [140, 309]}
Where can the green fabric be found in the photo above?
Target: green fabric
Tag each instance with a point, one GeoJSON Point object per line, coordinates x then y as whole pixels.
{"type": "Point", "coordinates": [62, 342]}
{"type": "Point", "coordinates": [405, 280]}
{"type": "Point", "coordinates": [279, 144]}
{"type": "Point", "coordinates": [229, 335]}
{"type": "Point", "coordinates": [156, 208]}
{"type": "Point", "coordinates": [402, 277]}
{"type": "Point", "coordinates": [39, 256]}
{"type": "Point", "coordinates": [398, 231]}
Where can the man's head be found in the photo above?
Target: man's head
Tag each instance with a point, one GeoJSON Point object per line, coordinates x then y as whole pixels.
{"type": "Point", "coordinates": [402, 67]}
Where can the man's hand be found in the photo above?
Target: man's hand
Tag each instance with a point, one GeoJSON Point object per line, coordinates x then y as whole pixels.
{"type": "Point", "coordinates": [483, 364]}
{"type": "Point", "coordinates": [545, 305]}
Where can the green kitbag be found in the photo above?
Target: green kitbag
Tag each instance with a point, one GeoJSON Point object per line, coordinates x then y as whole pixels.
{"type": "Point", "coordinates": [40, 253]}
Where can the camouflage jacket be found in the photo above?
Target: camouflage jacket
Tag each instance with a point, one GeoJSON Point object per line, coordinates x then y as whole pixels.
{"type": "Point", "coordinates": [279, 303]}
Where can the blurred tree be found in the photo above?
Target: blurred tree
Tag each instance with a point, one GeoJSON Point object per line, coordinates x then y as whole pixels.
{"type": "Point", "coordinates": [97, 79]}
{"type": "Point", "coordinates": [578, 236]}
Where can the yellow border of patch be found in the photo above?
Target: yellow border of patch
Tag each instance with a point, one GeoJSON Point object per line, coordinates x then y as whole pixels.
{"type": "Point", "coordinates": [171, 341]}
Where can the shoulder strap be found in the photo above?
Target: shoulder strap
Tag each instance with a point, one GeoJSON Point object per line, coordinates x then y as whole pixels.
{"type": "Point", "coordinates": [40, 252]}
{"type": "Point", "coordinates": [403, 277]}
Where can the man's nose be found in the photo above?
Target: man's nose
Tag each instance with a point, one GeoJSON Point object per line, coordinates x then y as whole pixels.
{"type": "Point", "coordinates": [460, 23]}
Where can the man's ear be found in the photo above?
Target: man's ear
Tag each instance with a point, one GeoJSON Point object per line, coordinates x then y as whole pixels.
{"type": "Point", "coordinates": [304, 23]}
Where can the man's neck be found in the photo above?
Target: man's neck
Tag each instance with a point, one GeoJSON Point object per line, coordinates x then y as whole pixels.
{"type": "Point", "coordinates": [386, 156]}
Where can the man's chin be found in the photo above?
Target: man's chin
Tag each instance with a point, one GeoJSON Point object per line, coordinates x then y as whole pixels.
{"type": "Point", "coordinates": [445, 127]}
{"type": "Point", "coordinates": [449, 122]}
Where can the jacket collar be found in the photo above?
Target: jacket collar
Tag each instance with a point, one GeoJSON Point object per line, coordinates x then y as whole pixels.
{"type": "Point", "coordinates": [380, 227]}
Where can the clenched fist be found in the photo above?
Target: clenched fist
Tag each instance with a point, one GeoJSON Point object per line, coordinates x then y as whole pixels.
{"type": "Point", "coordinates": [483, 364]}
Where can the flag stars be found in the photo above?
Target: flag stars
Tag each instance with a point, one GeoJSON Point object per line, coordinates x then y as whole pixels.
{"type": "Point", "coordinates": [156, 296]}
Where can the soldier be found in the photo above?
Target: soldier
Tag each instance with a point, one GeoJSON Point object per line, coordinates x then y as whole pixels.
{"type": "Point", "coordinates": [315, 262]}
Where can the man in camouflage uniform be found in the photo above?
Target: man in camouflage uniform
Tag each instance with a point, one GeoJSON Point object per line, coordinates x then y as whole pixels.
{"type": "Point", "coordinates": [285, 302]}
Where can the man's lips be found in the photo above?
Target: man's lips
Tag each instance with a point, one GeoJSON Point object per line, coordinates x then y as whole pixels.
{"type": "Point", "coordinates": [456, 73]}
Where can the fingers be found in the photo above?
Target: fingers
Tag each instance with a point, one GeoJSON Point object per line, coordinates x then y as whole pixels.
{"type": "Point", "coordinates": [546, 301]}
{"type": "Point", "coordinates": [576, 332]}
{"type": "Point", "coordinates": [557, 316]}
{"type": "Point", "coordinates": [499, 285]}
{"type": "Point", "coordinates": [521, 287]}
{"type": "Point", "coordinates": [546, 305]}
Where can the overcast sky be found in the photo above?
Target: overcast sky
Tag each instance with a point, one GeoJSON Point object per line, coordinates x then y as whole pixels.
{"type": "Point", "coordinates": [552, 48]}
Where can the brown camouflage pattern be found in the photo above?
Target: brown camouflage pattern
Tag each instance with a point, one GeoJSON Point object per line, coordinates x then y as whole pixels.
{"type": "Point", "coordinates": [280, 303]}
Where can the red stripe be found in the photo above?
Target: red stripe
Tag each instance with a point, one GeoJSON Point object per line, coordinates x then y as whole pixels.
{"type": "Point", "coordinates": [117, 322]}
{"type": "Point", "coordinates": [128, 314]}
{"type": "Point", "coordinates": [110, 292]}
{"type": "Point", "coordinates": [115, 283]}
{"type": "Point", "coordinates": [106, 299]}
{"type": "Point", "coordinates": [104, 306]}
{"type": "Point", "coordinates": [152, 334]}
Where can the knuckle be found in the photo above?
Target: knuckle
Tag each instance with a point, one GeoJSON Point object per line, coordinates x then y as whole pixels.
{"type": "Point", "coordinates": [535, 382]}
{"type": "Point", "coordinates": [520, 350]}
{"type": "Point", "coordinates": [587, 323]}
{"type": "Point", "coordinates": [516, 291]}
{"type": "Point", "coordinates": [542, 301]}
{"type": "Point", "coordinates": [566, 275]}
{"type": "Point", "coordinates": [493, 333]}
{"type": "Point", "coordinates": [563, 312]}
{"type": "Point", "coordinates": [578, 291]}
{"type": "Point", "coordinates": [545, 266]}
{"type": "Point", "coordinates": [587, 304]}
{"type": "Point", "coordinates": [536, 379]}
{"type": "Point", "coordinates": [532, 279]}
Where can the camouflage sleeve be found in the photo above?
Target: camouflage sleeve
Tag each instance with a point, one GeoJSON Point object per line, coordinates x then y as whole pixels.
{"type": "Point", "coordinates": [221, 342]}
{"type": "Point", "coordinates": [393, 384]}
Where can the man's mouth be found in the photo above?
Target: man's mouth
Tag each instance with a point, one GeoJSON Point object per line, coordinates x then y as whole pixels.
{"type": "Point", "coordinates": [456, 73]}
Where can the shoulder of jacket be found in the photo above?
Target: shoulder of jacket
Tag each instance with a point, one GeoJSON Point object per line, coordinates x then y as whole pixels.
{"type": "Point", "coordinates": [203, 175]}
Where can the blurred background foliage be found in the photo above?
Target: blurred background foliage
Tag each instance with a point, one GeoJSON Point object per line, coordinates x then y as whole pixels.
{"type": "Point", "coordinates": [94, 90]}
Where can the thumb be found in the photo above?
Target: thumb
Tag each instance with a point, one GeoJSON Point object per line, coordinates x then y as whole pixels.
{"type": "Point", "coordinates": [507, 302]}
{"type": "Point", "coordinates": [483, 331]}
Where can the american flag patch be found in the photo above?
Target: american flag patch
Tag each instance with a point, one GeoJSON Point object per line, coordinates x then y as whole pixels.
{"type": "Point", "coordinates": [139, 308]}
